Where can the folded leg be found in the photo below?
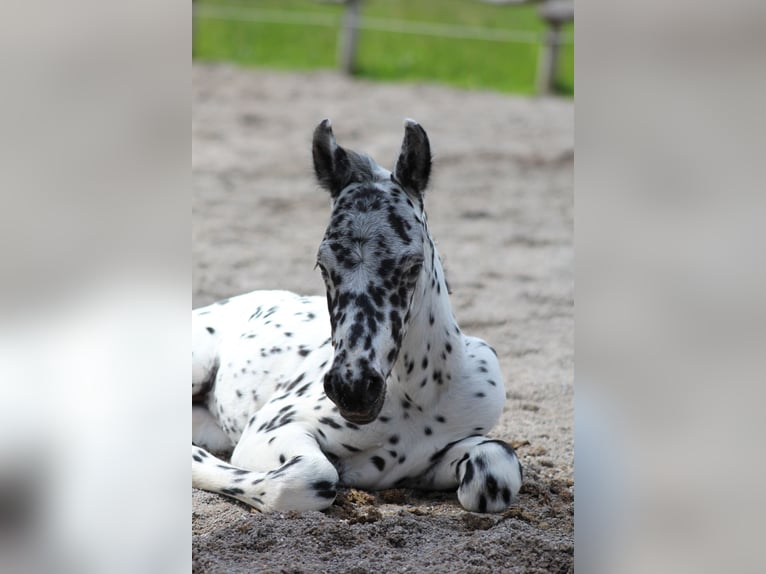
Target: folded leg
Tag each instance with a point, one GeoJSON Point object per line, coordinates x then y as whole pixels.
{"type": "Point", "coordinates": [485, 471]}
{"type": "Point", "coordinates": [295, 475]}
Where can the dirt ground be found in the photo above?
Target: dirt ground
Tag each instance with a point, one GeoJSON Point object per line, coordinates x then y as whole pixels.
{"type": "Point", "coordinates": [500, 208]}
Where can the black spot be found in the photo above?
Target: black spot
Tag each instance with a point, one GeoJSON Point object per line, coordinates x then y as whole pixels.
{"type": "Point", "coordinates": [324, 488]}
{"type": "Point", "coordinates": [329, 422]}
{"type": "Point", "coordinates": [468, 476]}
{"type": "Point", "coordinates": [492, 488]}
{"type": "Point", "coordinates": [448, 348]}
{"type": "Point", "coordinates": [354, 334]}
{"type": "Point", "coordinates": [428, 431]}
{"type": "Point", "coordinates": [440, 419]}
{"type": "Point", "coordinates": [270, 312]}
{"type": "Point", "coordinates": [300, 392]}
{"type": "Point", "coordinates": [210, 330]}
{"type": "Point", "coordinates": [424, 364]}
{"type": "Point", "coordinates": [282, 459]}
{"type": "Point", "coordinates": [460, 462]}
{"type": "Point", "coordinates": [296, 382]}
{"type": "Point", "coordinates": [281, 470]}
{"type": "Point", "coordinates": [256, 314]}
{"type": "Point", "coordinates": [402, 459]}
{"type": "Point", "coordinates": [479, 395]}
{"type": "Point", "coordinates": [197, 458]}
{"type": "Point", "coordinates": [399, 226]}
{"type": "Point", "coordinates": [506, 496]}
{"type": "Point", "coordinates": [232, 491]}
{"type": "Point", "coordinates": [394, 439]}
{"type": "Point", "coordinates": [379, 463]}
{"type": "Point", "coordinates": [303, 351]}
{"type": "Point", "coordinates": [482, 503]}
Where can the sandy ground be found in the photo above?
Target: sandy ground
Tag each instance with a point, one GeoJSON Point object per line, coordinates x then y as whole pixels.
{"type": "Point", "coordinates": [500, 209]}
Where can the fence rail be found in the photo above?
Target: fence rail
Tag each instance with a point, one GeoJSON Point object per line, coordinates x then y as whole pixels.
{"type": "Point", "coordinates": [242, 14]}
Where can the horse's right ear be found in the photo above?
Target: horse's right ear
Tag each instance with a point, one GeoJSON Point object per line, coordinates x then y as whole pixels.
{"type": "Point", "coordinates": [331, 163]}
{"type": "Point", "coordinates": [413, 167]}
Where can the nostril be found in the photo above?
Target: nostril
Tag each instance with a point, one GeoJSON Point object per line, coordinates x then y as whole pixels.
{"type": "Point", "coordinates": [330, 385]}
{"type": "Point", "coordinates": [375, 384]}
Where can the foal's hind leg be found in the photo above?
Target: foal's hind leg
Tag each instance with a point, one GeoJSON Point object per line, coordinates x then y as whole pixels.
{"type": "Point", "coordinates": [205, 341]}
{"type": "Point", "coordinates": [206, 432]}
{"type": "Point", "coordinates": [301, 479]}
{"type": "Point", "coordinates": [485, 471]}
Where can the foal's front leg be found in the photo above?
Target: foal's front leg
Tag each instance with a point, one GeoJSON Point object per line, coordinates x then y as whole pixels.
{"type": "Point", "coordinates": [486, 472]}
{"type": "Point", "coordinates": [276, 471]}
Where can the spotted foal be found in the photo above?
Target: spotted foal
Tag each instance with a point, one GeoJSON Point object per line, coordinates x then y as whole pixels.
{"type": "Point", "coordinates": [376, 386]}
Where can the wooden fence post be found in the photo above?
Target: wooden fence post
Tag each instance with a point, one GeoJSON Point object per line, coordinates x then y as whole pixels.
{"type": "Point", "coordinates": [555, 13]}
{"type": "Point", "coordinates": [194, 28]}
{"type": "Point", "coordinates": [348, 36]}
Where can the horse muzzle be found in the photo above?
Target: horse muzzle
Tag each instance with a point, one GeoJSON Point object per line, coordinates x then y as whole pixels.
{"type": "Point", "coordinates": [359, 397]}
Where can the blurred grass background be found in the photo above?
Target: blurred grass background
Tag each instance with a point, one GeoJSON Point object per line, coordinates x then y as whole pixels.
{"type": "Point", "coordinates": [392, 56]}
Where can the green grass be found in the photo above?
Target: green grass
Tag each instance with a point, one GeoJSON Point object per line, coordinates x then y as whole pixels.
{"type": "Point", "coordinates": [468, 63]}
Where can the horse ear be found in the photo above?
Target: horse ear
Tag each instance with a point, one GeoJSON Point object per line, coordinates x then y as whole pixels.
{"type": "Point", "coordinates": [413, 167]}
{"type": "Point", "coordinates": [331, 163]}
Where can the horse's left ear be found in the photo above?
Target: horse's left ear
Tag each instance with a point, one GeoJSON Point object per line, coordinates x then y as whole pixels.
{"type": "Point", "coordinates": [413, 167]}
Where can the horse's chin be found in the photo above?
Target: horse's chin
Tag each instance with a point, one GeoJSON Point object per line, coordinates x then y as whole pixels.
{"type": "Point", "coordinates": [359, 419]}
{"type": "Point", "coordinates": [363, 417]}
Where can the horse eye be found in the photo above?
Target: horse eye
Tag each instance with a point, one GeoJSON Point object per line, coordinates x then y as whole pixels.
{"type": "Point", "coordinates": [413, 271]}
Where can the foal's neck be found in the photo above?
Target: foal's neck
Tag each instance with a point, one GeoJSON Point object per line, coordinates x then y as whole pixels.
{"type": "Point", "coordinates": [432, 349]}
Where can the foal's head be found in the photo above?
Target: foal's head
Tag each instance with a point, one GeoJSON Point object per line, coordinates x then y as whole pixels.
{"type": "Point", "coordinates": [371, 259]}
